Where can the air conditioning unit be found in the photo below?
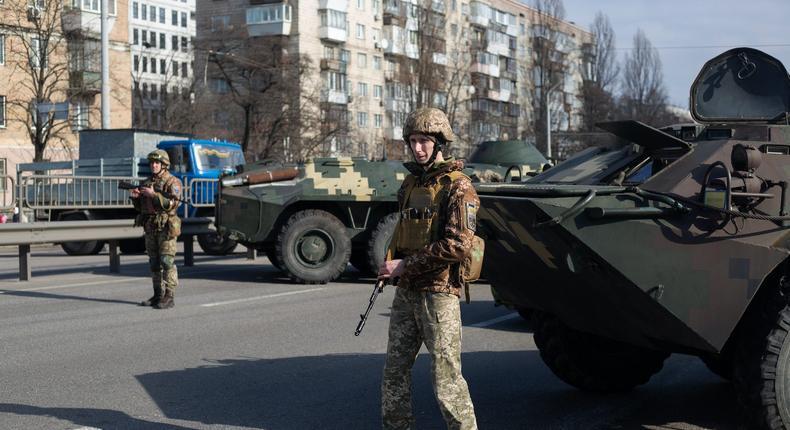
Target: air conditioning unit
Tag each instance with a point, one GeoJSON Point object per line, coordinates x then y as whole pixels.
{"type": "Point", "coordinates": [376, 17]}
{"type": "Point", "coordinates": [33, 13]}
{"type": "Point", "coordinates": [381, 103]}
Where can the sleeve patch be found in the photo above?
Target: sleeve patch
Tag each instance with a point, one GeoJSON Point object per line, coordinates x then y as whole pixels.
{"type": "Point", "coordinates": [471, 215]}
{"type": "Point", "coordinates": [176, 190]}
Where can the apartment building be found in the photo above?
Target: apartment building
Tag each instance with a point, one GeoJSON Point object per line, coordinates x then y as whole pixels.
{"type": "Point", "coordinates": [69, 59]}
{"type": "Point", "coordinates": [376, 60]}
{"type": "Point", "coordinates": [161, 38]}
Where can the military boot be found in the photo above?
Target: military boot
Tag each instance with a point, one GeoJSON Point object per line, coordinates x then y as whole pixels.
{"type": "Point", "coordinates": [167, 302]}
{"type": "Point", "coordinates": [153, 300]}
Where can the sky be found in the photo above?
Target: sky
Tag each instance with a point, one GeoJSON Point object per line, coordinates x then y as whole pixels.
{"type": "Point", "coordinates": [687, 33]}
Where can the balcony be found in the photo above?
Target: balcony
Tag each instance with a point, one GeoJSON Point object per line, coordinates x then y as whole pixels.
{"type": "Point", "coordinates": [84, 82]}
{"type": "Point", "coordinates": [334, 97]}
{"type": "Point", "coordinates": [333, 65]}
{"type": "Point", "coordinates": [500, 95]}
{"type": "Point", "coordinates": [479, 20]}
{"type": "Point", "coordinates": [498, 48]}
{"type": "Point", "coordinates": [440, 58]}
{"type": "Point", "coordinates": [486, 69]}
{"type": "Point", "coordinates": [269, 20]}
{"type": "Point", "coordinates": [78, 20]}
{"type": "Point", "coordinates": [396, 105]}
{"type": "Point", "coordinates": [393, 133]}
{"type": "Point", "coordinates": [333, 34]}
{"type": "Point", "coordinates": [339, 5]}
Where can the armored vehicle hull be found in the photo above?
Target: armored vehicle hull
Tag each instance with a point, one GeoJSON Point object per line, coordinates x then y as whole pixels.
{"type": "Point", "coordinates": [662, 245]}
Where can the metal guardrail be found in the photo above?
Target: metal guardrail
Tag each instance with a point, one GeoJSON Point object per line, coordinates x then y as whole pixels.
{"type": "Point", "coordinates": [26, 234]}
{"type": "Point", "coordinates": [200, 192]}
{"type": "Point", "coordinates": [73, 192]}
{"type": "Point", "coordinates": [7, 193]}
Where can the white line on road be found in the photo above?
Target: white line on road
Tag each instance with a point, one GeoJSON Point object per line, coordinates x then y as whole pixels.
{"type": "Point", "coordinates": [495, 320]}
{"type": "Point", "coordinates": [117, 281]}
{"type": "Point", "coordinates": [249, 299]}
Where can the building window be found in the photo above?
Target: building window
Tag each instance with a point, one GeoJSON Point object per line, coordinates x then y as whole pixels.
{"type": "Point", "coordinates": [153, 13]}
{"type": "Point", "coordinates": [175, 43]}
{"type": "Point", "coordinates": [153, 65]}
{"type": "Point", "coordinates": [377, 89]}
{"type": "Point", "coordinates": [154, 92]}
{"type": "Point", "coordinates": [376, 63]}
{"type": "Point", "coordinates": [135, 13]}
{"type": "Point", "coordinates": [174, 17]}
{"type": "Point", "coordinates": [184, 73]}
{"type": "Point", "coordinates": [162, 44]}
{"type": "Point", "coordinates": [184, 44]}
{"type": "Point", "coordinates": [184, 19]}
{"type": "Point", "coordinates": [144, 9]}
{"type": "Point", "coordinates": [135, 37]}
{"type": "Point", "coordinates": [162, 15]}
{"type": "Point", "coordinates": [153, 39]}
{"type": "Point", "coordinates": [362, 89]}
{"type": "Point", "coordinates": [269, 14]}
{"type": "Point", "coordinates": [360, 31]}
{"type": "Point", "coordinates": [144, 37]}
{"type": "Point", "coordinates": [377, 120]}
{"type": "Point", "coordinates": [332, 18]}
{"type": "Point", "coordinates": [162, 66]}
{"type": "Point", "coordinates": [345, 56]}
{"type": "Point", "coordinates": [362, 119]}
{"type": "Point", "coordinates": [136, 63]}
{"type": "Point", "coordinates": [2, 112]}
{"type": "Point", "coordinates": [218, 23]}
{"type": "Point", "coordinates": [145, 64]}
{"type": "Point", "coordinates": [219, 86]}
{"type": "Point", "coordinates": [361, 4]}
{"type": "Point", "coordinates": [175, 68]}
{"type": "Point", "coordinates": [362, 60]}
{"type": "Point", "coordinates": [38, 54]}
{"type": "Point", "coordinates": [412, 37]}
{"type": "Point", "coordinates": [329, 52]}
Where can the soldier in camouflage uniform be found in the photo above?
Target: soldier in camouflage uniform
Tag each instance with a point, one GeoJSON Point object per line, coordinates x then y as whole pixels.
{"type": "Point", "coordinates": [157, 200]}
{"type": "Point", "coordinates": [438, 215]}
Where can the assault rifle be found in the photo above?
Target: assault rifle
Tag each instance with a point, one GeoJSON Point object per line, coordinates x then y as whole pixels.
{"type": "Point", "coordinates": [126, 185]}
{"type": "Point", "coordinates": [379, 287]}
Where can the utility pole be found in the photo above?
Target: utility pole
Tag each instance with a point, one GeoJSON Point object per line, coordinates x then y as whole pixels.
{"type": "Point", "coordinates": [105, 67]}
{"type": "Point", "coordinates": [548, 119]}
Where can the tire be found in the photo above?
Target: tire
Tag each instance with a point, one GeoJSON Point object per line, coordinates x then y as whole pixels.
{"type": "Point", "coordinates": [313, 247]}
{"type": "Point", "coordinates": [593, 363]}
{"type": "Point", "coordinates": [379, 240]}
{"type": "Point", "coordinates": [89, 247]}
{"type": "Point", "coordinates": [132, 246]}
{"type": "Point", "coordinates": [761, 371]}
{"type": "Point", "coordinates": [271, 254]}
{"type": "Point", "coordinates": [214, 244]}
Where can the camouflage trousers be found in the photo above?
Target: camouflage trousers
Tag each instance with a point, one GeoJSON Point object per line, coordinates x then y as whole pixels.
{"type": "Point", "coordinates": [433, 319]}
{"type": "Point", "coordinates": [161, 252]}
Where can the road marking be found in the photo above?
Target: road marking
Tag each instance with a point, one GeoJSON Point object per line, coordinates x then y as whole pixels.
{"type": "Point", "coordinates": [495, 320]}
{"type": "Point", "coordinates": [249, 299]}
{"type": "Point", "coordinates": [118, 281]}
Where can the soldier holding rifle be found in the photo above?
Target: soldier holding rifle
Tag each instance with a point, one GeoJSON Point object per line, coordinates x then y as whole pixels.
{"type": "Point", "coordinates": [157, 199]}
{"type": "Point", "coordinates": [438, 208]}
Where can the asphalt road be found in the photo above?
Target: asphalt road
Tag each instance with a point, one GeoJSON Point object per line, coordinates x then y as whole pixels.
{"type": "Point", "coordinates": [246, 349]}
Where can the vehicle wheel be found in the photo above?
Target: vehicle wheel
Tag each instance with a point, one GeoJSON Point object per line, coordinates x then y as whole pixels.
{"type": "Point", "coordinates": [379, 240]}
{"type": "Point", "coordinates": [313, 247]}
{"type": "Point", "coordinates": [271, 254]}
{"type": "Point", "coordinates": [761, 371]}
{"type": "Point", "coordinates": [89, 247]}
{"type": "Point", "coordinates": [132, 246]}
{"type": "Point", "coordinates": [214, 244]}
{"type": "Point", "coordinates": [590, 362]}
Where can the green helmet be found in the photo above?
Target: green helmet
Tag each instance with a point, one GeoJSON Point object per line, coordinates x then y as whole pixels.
{"type": "Point", "coordinates": [430, 122]}
{"type": "Point", "coordinates": [160, 156]}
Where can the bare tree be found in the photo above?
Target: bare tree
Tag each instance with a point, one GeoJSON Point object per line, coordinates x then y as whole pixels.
{"type": "Point", "coordinates": [38, 52]}
{"type": "Point", "coordinates": [597, 97]}
{"type": "Point", "coordinates": [549, 62]}
{"type": "Point", "coordinates": [644, 97]}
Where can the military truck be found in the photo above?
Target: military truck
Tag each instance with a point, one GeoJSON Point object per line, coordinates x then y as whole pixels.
{"type": "Point", "coordinates": [87, 188]}
{"type": "Point", "coordinates": [663, 244]}
{"type": "Point", "coordinates": [312, 219]}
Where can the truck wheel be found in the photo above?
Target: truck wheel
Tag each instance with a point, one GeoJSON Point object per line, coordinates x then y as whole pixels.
{"type": "Point", "coordinates": [761, 371]}
{"type": "Point", "coordinates": [379, 240]}
{"type": "Point", "coordinates": [214, 244]}
{"type": "Point", "coordinates": [313, 247]}
{"type": "Point", "coordinates": [590, 362]}
{"type": "Point", "coordinates": [271, 254]}
{"type": "Point", "coordinates": [88, 247]}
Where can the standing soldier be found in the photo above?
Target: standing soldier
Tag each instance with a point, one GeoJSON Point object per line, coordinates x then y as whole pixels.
{"type": "Point", "coordinates": [438, 208]}
{"type": "Point", "coordinates": [157, 199]}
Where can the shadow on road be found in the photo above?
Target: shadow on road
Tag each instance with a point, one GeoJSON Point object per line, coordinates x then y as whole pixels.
{"type": "Point", "coordinates": [511, 390]}
{"type": "Point", "coordinates": [90, 417]}
{"type": "Point", "coordinates": [40, 295]}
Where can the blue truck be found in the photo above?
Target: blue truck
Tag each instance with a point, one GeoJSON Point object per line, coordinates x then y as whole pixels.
{"type": "Point", "coordinates": [87, 188]}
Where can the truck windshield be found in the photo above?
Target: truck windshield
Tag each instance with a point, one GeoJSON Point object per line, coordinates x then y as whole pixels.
{"type": "Point", "coordinates": [217, 157]}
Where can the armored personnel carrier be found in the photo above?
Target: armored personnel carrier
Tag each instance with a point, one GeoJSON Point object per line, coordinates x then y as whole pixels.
{"type": "Point", "coordinates": [312, 219]}
{"type": "Point", "coordinates": [671, 242]}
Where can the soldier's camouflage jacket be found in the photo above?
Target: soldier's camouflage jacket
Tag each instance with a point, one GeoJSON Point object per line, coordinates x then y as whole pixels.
{"type": "Point", "coordinates": [158, 213]}
{"type": "Point", "coordinates": [436, 227]}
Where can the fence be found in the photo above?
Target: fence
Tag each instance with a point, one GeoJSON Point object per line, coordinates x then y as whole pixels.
{"type": "Point", "coordinates": [7, 193]}
{"type": "Point", "coordinates": [73, 192]}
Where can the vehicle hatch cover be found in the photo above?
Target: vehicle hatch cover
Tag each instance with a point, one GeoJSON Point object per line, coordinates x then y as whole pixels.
{"type": "Point", "coordinates": [741, 85]}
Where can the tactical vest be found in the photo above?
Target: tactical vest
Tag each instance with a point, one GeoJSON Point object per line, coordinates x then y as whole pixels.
{"type": "Point", "coordinates": [155, 219]}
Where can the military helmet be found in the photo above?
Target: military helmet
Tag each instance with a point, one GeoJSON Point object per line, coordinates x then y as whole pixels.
{"type": "Point", "coordinates": [160, 156]}
{"type": "Point", "coordinates": [430, 122]}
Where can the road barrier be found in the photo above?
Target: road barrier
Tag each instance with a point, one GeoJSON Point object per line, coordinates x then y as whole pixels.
{"type": "Point", "coordinates": [24, 235]}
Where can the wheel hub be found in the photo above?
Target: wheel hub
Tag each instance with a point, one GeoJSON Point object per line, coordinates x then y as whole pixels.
{"type": "Point", "coordinates": [314, 248]}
